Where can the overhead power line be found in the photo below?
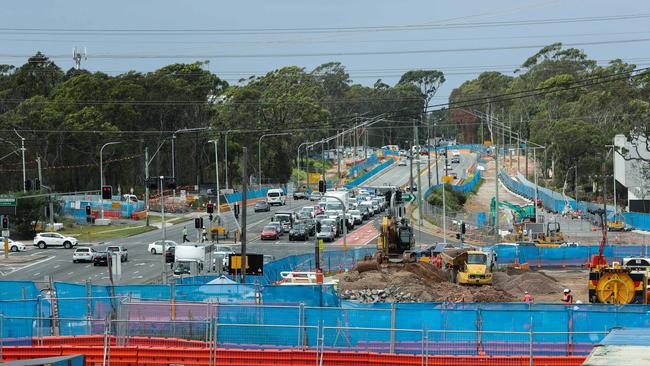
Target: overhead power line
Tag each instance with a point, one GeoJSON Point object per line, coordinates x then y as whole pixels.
{"type": "Point", "coordinates": [303, 30]}
{"type": "Point", "coordinates": [330, 54]}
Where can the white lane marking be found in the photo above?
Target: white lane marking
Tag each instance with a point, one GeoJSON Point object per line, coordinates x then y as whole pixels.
{"type": "Point", "coordinates": [30, 265]}
{"type": "Point", "coordinates": [138, 277]}
{"type": "Point", "coordinates": [71, 273]}
{"type": "Point", "coordinates": [105, 278]}
{"type": "Point", "coordinates": [57, 266]}
{"type": "Point", "coordinates": [37, 273]}
{"type": "Point", "coordinates": [87, 266]}
{"type": "Point", "coordinates": [136, 272]}
{"type": "Point", "coordinates": [140, 264]}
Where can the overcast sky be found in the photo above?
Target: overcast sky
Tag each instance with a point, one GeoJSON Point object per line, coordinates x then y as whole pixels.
{"type": "Point", "coordinates": [372, 38]}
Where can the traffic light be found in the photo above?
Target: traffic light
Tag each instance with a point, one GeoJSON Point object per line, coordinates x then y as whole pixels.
{"type": "Point", "coordinates": [463, 228]}
{"type": "Point", "coordinates": [107, 192]}
{"type": "Point", "coordinates": [37, 184]}
{"type": "Point", "coordinates": [398, 196]}
{"type": "Point", "coordinates": [322, 186]}
{"type": "Point", "coordinates": [28, 185]}
{"type": "Point", "coordinates": [5, 222]}
{"type": "Point", "coordinates": [457, 236]}
{"type": "Point", "coordinates": [388, 195]}
{"type": "Point", "coordinates": [236, 211]}
{"type": "Point", "coordinates": [170, 182]}
{"type": "Point", "coordinates": [210, 217]}
{"type": "Point", "coordinates": [210, 208]}
{"type": "Point", "coordinates": [88, 212]}
{"type": "Point", "coordinates": [198, 222]}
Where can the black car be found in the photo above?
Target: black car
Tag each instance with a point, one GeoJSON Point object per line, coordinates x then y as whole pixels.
{"type": "Point", "coordinates": [170, 254]}
{"type": "Point", "coordinates": [300, 195]}
{"type": "Point", "coordinates": [262, 206]}
{"type": "Point", "coordinates": [310, 224]}
{"type": "Point", "coordinates": [100, 259]}
{"type": "Point", "coordinates": [299, 232]}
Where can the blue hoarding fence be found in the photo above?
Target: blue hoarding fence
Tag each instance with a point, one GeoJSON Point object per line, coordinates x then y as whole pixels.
{"type": "Point", "coordinates": [367, 175]}
{"type": "Point", "coordinates": [556, 202]}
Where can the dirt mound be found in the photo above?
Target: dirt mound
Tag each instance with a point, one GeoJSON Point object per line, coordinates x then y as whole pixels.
{"type": "Point", "coordinates": [534, 282]}
{"type": "Point", "coordinates": [413, 282]}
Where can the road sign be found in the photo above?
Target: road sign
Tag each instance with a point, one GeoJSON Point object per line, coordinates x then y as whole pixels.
{"type": "Point", "coordinates": [7, 204]}
{"type": "Point", "coordinates": [407, 197]}
{"type": "Point", "coordinates": [5, 233]}
{"type": "Point", "coordinates": [7, 200]}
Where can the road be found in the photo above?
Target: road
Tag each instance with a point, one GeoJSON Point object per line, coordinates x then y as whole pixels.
{"type": "Point", "coordinates": [145, 267]}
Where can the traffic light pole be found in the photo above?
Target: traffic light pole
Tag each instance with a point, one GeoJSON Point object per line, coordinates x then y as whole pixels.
{"type": "Point", "coordinates": [164, 231]}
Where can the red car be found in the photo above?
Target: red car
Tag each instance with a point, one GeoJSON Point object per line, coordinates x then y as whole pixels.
{"type": "Point", "coordinates": [270, 233]}
{"type": "Point", "coordinates": [319, 211]}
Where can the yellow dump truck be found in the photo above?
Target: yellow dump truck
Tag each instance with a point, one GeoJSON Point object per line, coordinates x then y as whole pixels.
{"type": "Point", "coordinates": [469, 266]}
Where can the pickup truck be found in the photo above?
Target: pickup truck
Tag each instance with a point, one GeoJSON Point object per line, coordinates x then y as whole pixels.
{"type": "Point", "coordinates": [120, 250]}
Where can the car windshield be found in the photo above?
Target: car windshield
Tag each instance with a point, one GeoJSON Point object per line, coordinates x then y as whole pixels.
{"type": "Point", "coordinates": [223, 249]}
{"type": "Point", "coordinates": [274, 194]}
{"type": "Point", "coordinates": [269, 228]}
{"type": "Point", "coordinates": [299, 227]}
{"type": "Point", "coordinates": [260, 203]}
{"type": "Point", "coordinates": [325, 229]}
{"type": "Point", "coordinates": [281, 218]}
{"type": "Point", "coordinates": [476, 259]}
{"type": "Point", "coordinates": [354, 212]}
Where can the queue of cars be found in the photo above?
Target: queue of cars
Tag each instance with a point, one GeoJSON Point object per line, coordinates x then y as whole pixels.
{"type": "Point", "coordinates": [326, 219]}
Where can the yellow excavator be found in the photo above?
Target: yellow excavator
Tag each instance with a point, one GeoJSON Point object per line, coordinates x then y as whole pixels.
{"type": "Point", "coordinates": [394, 245]}
{"type": "Point", "coordinates": [613, 283]}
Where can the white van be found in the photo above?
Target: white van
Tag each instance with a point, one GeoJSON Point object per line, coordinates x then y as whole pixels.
{"type": "Point", "coordinates": [276, 196]}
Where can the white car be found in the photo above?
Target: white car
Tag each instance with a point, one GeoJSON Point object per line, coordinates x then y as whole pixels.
{"type": "Point", "coordinates": [83, 255]}
{"type": "Point", "coordinates": [356, 216]}
{"type": "Point", "coordinates": [222, 251]}
{"type": "Point", "coordinates": [14, 246]}
{"type": "Point", "coordinates": [156, 246]}
{"type": "Point", "coordinates": [44, 240]}
{"type": "Point", "coordinates": [310, 210]}
{"type": "Point", "coordinates": [401, 162]}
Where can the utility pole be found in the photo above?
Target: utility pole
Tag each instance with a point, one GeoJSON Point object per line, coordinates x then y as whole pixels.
{"type": "Point", "coordinates": [429, 154]}
{"type": "Point", "coordinates": [22, 149]}
{"type": "Point", "coordinates": [174, 162]}
{"type": "Point", "coordinates": [417, 138]}
{"type": "Point", "coordinates": [496, 184]}
{"type": "Point", "coordinates": [338, 154]}
{"type": "Point", "coordinates": [40, 173]}
{"type": "Point", "coordinates": [216, 173]}
{"type": "Point", "coordinates": [577, 161]}
{"type": "Point", "coordinates": [164, 230]}
{"type": "Point", "coordinates": [410, 155]}
{"type": "Point", "coordinates": [225, 156]}
{"type": "Point", "coordinates": [146, 185]}
{"type": "Point", "coordinates": [536, 187]}
{"type": "Point", "coordinates": [244, 201]}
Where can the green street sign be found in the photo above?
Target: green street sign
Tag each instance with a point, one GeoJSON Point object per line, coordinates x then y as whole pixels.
{"type": "Point", "coordinates": [7, 200]}
{"type": "Point", "coordinates": [407, 197]}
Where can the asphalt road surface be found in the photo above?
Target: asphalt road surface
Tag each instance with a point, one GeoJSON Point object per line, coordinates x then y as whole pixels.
{"type": "Point", "coordinates": [144, 267]}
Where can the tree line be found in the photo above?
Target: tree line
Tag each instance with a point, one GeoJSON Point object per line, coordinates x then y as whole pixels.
{"type": "Point", "coordinates": [65, 118]}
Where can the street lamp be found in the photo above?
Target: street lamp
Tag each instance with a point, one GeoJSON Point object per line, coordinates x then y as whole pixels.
{"type": "Point", "coordinates": [22, 149]}
{"type": "Point", "coordinates": [259, 155]}
{"type": "Point", "coordinates": [299, 146]}
{"type": "Point", "coordinates": [216, 172]}
{"type": "Point", "coordinates": [225, 155]}
{"type": "Point", "coordinates": [536, 187]}
{"type": "Point", "coordinates": [101, 171]}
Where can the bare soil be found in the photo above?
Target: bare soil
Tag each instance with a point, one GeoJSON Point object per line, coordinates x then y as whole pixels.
{"type": "Point", "coordinates": [419, 282]}
{"type": "Point", "coordinates": [480, 202]}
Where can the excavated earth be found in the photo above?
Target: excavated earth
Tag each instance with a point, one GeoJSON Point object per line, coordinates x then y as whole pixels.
{"type": "Point", "coordinates": [423, 282]}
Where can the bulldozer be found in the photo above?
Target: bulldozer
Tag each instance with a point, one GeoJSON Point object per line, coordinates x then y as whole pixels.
{"type": "Point", "coordinates": [613, 283]}
{"type": "Point", "coordinates": [552, 237]}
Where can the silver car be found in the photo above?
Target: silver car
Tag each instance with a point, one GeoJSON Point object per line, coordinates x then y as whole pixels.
{"type": "Point", "coordinates": [83, 255]}
{"type": "Point", "coordinates": [326, 233]}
